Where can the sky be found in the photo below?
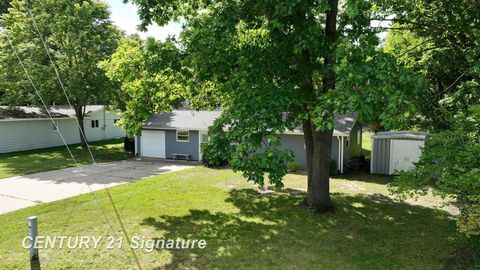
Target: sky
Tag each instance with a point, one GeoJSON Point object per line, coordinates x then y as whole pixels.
{"type": "Point", "coordinates": [126, 18]}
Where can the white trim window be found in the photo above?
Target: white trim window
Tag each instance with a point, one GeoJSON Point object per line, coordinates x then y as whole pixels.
{"type": "Point", "coordinates": [94, 123]}
{"type": "Point", "coordinates": [183, 136]}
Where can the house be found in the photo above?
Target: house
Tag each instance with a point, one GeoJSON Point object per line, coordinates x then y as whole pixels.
{"type": "Point", "coordinates": [396, 151]}
{"type": "Point", "coordinates": [26, 128]}
{"type": "Point", "coordinates": [175, 134]}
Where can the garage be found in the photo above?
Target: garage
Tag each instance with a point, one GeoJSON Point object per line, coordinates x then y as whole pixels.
{"type": "Point", "coordinates": [396, 151]}
{"type": "Point", "coordinates": [153, 143]}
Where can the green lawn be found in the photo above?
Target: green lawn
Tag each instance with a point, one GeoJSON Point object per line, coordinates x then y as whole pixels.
{"type": "Point", "coordinates": [245, 230]}
{"type": "Point", "coordinates": [367, 144]}
{"type": "Point", "coordinates": [27, 162]}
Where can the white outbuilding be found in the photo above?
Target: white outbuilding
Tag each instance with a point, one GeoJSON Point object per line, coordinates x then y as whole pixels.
{"type": "Point", "coordinates": [396, 151]}
{"type": "Point", "coordinates": [27, 128]}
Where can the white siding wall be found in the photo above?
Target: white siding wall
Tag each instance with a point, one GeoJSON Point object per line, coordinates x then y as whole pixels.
{"type": "Point", "coordinates": [23, 135]}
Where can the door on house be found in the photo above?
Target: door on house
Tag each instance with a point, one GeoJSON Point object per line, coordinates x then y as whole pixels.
{"type": "Point", "coordinates": [203, 139]}
{"type": "Point", "coordinates": [403, 153]}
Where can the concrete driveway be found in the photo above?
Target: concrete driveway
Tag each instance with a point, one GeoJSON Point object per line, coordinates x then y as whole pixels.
{"type": "Point", "coordinates": [24, 191]}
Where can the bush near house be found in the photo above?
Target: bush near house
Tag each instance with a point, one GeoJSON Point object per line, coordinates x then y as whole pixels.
{"type": "Point", "coordinates": [293, 166]}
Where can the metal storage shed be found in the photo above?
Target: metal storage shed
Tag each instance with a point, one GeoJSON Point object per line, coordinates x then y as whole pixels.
{"type": "Point", "coordinates": [396, 151]}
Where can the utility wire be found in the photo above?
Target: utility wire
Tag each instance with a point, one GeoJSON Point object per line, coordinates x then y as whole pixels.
{"type": "Point", "coordinates": [81, 131]}
{"type": "Point", "coordinates": [29, 8]}
{"type": "Point", "coordinates": [37, 92]}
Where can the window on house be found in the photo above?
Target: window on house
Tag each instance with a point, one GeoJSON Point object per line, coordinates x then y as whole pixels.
{"type": "Point", "coordinates": [183, 136]}
{"type": "Point", "coordinates": [359, 136]}
{"type": "Point", "coordinates": [115, 121]}
{"type": "Point", "coordinates": [94, 123]}
{"type": "Point", "coordinates": [55, 126]}
{"type": "Point", "coordinates": [348, 142]}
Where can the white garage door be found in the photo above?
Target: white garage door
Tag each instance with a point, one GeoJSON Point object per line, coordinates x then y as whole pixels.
{"type": "Point", "coordinates": [403, 153]}
{"type": "Point", "coordinates": [153, 143]}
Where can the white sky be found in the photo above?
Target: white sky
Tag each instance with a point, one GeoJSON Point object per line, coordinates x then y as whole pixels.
{"type": "Point", "coordinates": [126, 18]}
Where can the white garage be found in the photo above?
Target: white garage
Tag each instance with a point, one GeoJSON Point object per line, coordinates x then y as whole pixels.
{"type": "Point", "coordinates": [153, 143]}
{"type": "Point", "coordinates": [396, 151]}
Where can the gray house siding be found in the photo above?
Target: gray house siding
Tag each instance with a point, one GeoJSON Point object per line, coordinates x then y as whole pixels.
{"type": "Point", "coordinates": [381, 154]}
{"type": "Point", "coordinates": [296, 143]}
{"type": "Point", "coordinates": [173, 147]}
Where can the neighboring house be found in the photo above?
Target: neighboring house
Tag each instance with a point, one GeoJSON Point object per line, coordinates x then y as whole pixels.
{"type": "Point", "coordinates": [26, 128]}
{"type": "Point", "coordinates": [396, 151]}
{"type": "Point", "coordinates": [183, 131]}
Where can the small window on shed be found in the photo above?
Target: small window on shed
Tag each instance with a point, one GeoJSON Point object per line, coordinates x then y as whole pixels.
{"type": "Point", "coordinates": [115, 121]}
{"type": "Point", "coordinates": [55, 126]}
{"type": "Point", "coordinates": [94, 123]}
{"type": "Point", "coordinates": [183, 136]}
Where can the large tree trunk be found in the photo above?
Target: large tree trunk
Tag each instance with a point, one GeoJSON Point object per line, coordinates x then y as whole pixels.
{"type": "Point", "coordinates": [80, 114]}
{"type": "Point", "coordinates": [318, 144]}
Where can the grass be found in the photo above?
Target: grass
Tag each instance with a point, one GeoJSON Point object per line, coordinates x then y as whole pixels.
{"type": "Point", "coordinates": [367, 144]}
{"type": "Point", "coordinates": [244, 230]}
{"type": "Point", "coordinates": [40, 160]}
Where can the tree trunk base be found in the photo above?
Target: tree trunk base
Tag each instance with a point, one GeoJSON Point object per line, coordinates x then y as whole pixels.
{"type": "Point", "coordinates": [319, 207]}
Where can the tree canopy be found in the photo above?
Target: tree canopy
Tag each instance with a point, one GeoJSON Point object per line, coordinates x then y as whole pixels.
{"type": "Point", "coordinates": [440, 40]}
{"type": "Point", "coordinates": [78, 34]}
{"type": "Point", "coordinates": [277, 65]}
{"type": "Point", "coordinates": [147, 75]}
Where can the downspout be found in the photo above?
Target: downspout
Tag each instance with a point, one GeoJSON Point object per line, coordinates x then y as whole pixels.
{"type": "Point", "coordinates": [339, 153]}
{"type": "Point", "coordinates": [341, 160]}
{"type": "Point", "coordinates": [104, 124]}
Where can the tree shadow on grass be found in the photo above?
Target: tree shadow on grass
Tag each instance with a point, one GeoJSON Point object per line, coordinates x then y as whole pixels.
{"type": "Point", "coordinates": [274, 232]}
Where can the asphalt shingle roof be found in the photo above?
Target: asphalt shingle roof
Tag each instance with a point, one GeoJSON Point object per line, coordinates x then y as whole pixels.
{"type": "Point", "coordinates": [28, 112]}
{"type": "Point", "coordinates": [201, 120]}
{"type": "Point", "coordinates": [182, 119]}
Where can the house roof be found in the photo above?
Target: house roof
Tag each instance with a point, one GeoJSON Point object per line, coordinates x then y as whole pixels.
{"type": "Point", "coordinates": [343, 125]}
{"type": "Point", "coordinates": [405, 134]}
{"type": "Point", "coordinates": [28, 112]}
{"type": "Point", "coordinates": [201, 120]}
{"type": "Point", "coordinates": [182, 119]}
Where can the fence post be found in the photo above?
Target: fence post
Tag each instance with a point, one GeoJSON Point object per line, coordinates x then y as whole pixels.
{"type": "Point", "coordinates": [33, 233]}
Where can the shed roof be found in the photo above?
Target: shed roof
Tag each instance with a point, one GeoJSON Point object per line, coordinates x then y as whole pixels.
{"type": "Point", "coordinates": [405, 134]}
{"type": "Point", "coordinates": [28, 112]}
{"type": "Point", "coordinates": [201, 120]}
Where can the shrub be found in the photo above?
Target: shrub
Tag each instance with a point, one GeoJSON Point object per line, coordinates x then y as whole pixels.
{"type": "Point", "coordinates": [218, 151]}
{"type": "Point", "coordinates": [450, 167]}
{"type": "Point", "coordinates": [293, 166]}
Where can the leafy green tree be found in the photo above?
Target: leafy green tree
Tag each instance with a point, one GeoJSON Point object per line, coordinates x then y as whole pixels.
{"type": "Point", "coordinates": [277, 65]}
{"type": "Point", "coordinates": [146, 74]}
{"type": "Point", "coordinates": [450, 167]}
{"type": "Point", "coordinates": [78, 34]}
{"type": "Point", "coordinates": [440, 40]}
